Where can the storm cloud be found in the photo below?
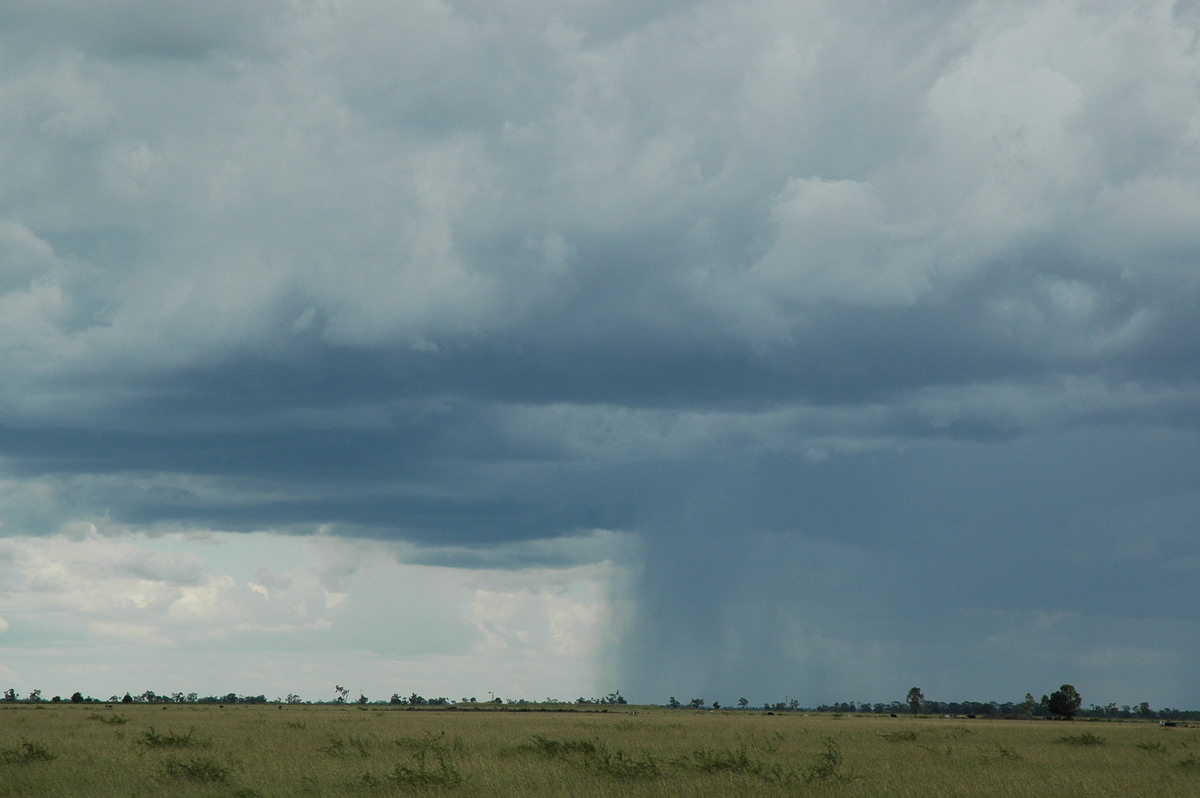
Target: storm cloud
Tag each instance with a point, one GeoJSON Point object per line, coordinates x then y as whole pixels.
{"type": "Point", "coordinates": [862, 341]}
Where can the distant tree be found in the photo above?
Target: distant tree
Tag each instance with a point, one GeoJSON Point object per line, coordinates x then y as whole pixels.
{"type": "Point", "coordinates": [362, 699]}
{"type": "Point", "coordinates": [396, 699]}
{"type": "Point", "coordinates": [716, 705]}
{"type": "Point", "coordinates": [1063, 702]}
{"type": "Point", "coordinates": [35, 696]}
{"type": "Point", "coordinates": [56, 699]}
{"type": "Point", "coordinates": [76, 697]}
{"type": "Point", "coordinates": [697, 703]}
{"type": "Point", "coordinates": [673, 702]}
{"type": "Point", "coordinates": [10, 694]}
{"type": "Point", "coordinates": [914, 699]}
{"type": "Point", "coordinates": [614, 697]}
{"type": "Point", "coordinates": [342, 692]}
{"type": "Point", "coordinates": [127, 699]}
{"type": "Point", "coordinates": [743, 703]}
{"type": "Point", "coordinates": [1144, 710]}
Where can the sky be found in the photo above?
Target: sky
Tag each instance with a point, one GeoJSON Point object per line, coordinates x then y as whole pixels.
{"type": "Point", "coordinates": [544, 349]}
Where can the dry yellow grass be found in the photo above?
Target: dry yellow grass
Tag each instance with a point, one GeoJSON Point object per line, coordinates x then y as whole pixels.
{"type": "Point", "coordinates": [203, 750]}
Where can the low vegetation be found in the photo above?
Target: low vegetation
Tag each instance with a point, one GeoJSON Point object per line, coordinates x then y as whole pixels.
{"type": "Point", "coordinates": [260, 751]}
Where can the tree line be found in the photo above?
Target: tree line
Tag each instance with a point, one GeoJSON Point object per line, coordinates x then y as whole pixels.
{"type": "Point", "coordinates": [341, 696]}
{"type": "Point", "coordinates": [1064, 702]}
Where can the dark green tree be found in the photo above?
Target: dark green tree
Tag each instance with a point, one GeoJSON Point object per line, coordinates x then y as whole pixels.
{"type": "Point", "coordinates": [1064, 702]}
{"type": "Point", "coordinates": [673, 702]}
{"type": "Point", "coordinates": [77, 697]}
{"type": "Point", "coordinates": [915, 699]}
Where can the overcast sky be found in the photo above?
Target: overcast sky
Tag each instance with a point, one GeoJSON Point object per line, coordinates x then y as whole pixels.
{"type": "Point", "coordinates": [541, 349]}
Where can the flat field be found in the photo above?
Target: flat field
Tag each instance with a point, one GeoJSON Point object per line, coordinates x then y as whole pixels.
{"type": "Point", "coordinates": [239, 750]}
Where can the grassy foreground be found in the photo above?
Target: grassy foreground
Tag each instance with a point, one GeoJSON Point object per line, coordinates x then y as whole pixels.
{"type": "Point", "coordinates": [203, 750]}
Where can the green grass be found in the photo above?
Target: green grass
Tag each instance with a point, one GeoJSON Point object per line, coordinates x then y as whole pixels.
{"type": "Point", "coordinates": [265, 751]}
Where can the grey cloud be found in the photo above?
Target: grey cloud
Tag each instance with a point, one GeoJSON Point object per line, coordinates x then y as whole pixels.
{"type": "Point", "coordinates": [855, 286]}
{"type": "Point", "coordinates": [137, 28]}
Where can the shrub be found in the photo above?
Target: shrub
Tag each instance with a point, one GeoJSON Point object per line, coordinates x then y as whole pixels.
{"type": "Point", "coordinates": [111, 720]}
{"type": "Point", "coordinates": [152, 739]}
{"type": "Point", "coordinates": [709, 761]}
{"type": "Point", "coordinates": [28, 751]}
{"type": "Point", "coordinates": [203, 769]}
{"type": "Point", "coordinates": [339, 746]}
{"type": "Point", "coordinates": [596, 756]}
{"type": "Point", "coordinates": [560, 748]}
{"type": "Point", "coordinates": [622, 766]}
{"type": "Point", "coordinates": [422, 774]}
{"type": "Point", "coordinates": [428, 741]}
{"type": "Point", "coordinates": [1087, 738]}
{"type": "Point", "coordinates": [827, 765]}
{"type": "Point", "coordinates": [905, 736]}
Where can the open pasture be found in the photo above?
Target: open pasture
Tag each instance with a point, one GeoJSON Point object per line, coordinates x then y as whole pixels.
{"type": "Point", "coordinates": [240, 750]}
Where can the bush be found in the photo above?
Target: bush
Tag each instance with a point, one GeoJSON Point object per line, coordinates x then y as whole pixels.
{"type": "Point", "coordinates": [152, 739]}
{"type": "Point", "coordinates": [906, 736]}
{"type": "Point", "coordinates": [196, 770]}
{"type": "Point", "coordinates": [1087, 738]}
{"type": "Point", "coordinates": [28, 751]}
{"type": "Point", "coordinates": [595, 756]}
{"type": "Point", "coordinates": [111, 720]}
{"type": "Point", "coordinates": [422, 774]}
{"type": "Point", "coordinates": [828, 765]}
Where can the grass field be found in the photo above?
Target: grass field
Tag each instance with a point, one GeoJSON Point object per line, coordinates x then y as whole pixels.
{"type": "Point", "coordinates": [204, 750]}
